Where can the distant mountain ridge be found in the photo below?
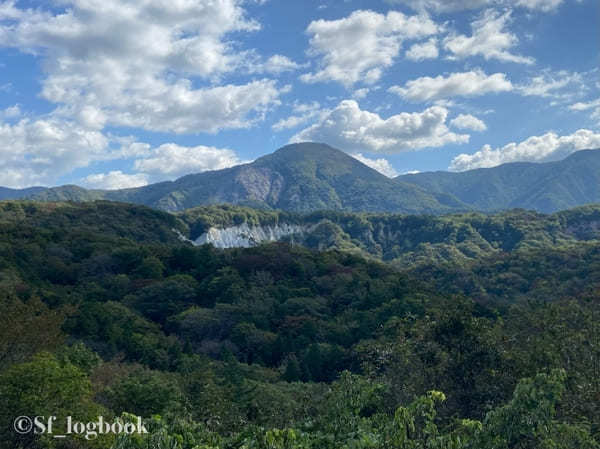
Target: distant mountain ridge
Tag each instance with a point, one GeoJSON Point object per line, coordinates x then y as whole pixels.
{"type": "Point", "coordinates": [308, 177]}
{"type": "Point", "coordinates": [544, 187]}
{"type": "Point", "coordinates": [299, 177]}
{"type": "Point", "coordinates": [15, 194]}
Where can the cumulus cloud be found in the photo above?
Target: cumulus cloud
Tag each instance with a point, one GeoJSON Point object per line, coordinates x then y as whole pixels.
{"type": "Point", "coordinates": [382, 165]}
{"type": "Point", "coordinates": [359, 47]}
{"type": "Point", "coordinates": [37, 152]}
{"type": "Point", "coordinates": [552, 85]}
{"type": "Point", "coordinates": [467, 84]}
{"type": "Point", "coordinates": [468, 121]}
{"type": "Point", "coordinates": [361, 93]}
{"type": "Point", "coordinates": [171, 161]}
{"type": "Point", "coordinates": [355, 130]}
{"type": "Point", "coordinates": [488, 39]}
{"type": "Point", "coordinates": [11, 112]}
{"type": "Point", "coordinates": [423, 50]}
{"type": "Point", "coordinates": [547, 147]}
{"type": "Point", "coordinates": [276, 65]}
{"type": "Point", "coordinates": [302, 113]}
{"type": "Point", "coordinates": [165, 162]}
{"type": "Point", "coordinates": [115, 180]}
{"type": "Point", "coordinates": [443, 6]}
{"type": "Point", "coordinates": [134, 65]}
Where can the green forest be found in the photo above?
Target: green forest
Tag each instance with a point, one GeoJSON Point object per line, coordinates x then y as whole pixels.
{"type": "Point", "coordinates": [473, 331]}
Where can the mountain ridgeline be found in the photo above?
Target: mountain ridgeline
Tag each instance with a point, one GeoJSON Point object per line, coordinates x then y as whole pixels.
{"type": "Point", "coordinates": [308, 177]}
{"type": "Point", "coordinates": [300, 177]}
{"type": "Point", "coordinates": [545, 187]}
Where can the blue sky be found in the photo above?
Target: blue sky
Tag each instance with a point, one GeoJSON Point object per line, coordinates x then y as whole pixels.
{"type": "Point", "coordinates": [120, 93]}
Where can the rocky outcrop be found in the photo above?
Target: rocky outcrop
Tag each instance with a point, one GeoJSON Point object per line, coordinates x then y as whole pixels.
{"type": "Point", "coordinates": [246, 236]}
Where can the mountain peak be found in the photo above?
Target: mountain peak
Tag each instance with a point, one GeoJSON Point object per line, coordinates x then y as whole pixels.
{"type": "Point", "coordinates": [300, 177]}
{"type": "Point", "coordinates": [319, 152]}
{"type": "Point", "coordinates": [310, 176]}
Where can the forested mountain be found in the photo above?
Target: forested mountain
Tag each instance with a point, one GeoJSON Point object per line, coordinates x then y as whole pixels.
{"type": "Point", "coordinates": [309, 177]}
{"type": "Point", "coordinates": [12, 194]}
{"type": "Point", "coordinates": [298, 177]}
{"type": "Point", "coordinates": [403, 240]}
{"type": "Point", "coordinates": [545, 187]}
{"type": "Point", "coordinates": [106, 311]}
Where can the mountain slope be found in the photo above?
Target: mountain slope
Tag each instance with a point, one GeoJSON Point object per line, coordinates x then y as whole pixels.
{"type": "Point", "coordinates": [404, 240]}
{"type": "Point", "coordinates": [545, 187]}
{"type": "Point", "coordinates": [15, 194]}
{"type": "Point", "coordinates": [308, 177]}
{"type": "Point", "coordinates": [300, 177]}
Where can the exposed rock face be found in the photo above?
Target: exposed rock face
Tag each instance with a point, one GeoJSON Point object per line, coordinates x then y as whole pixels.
{"type": "Point", "coordinates": [245, 236]}
{"type": "Point", "coordinates": [260, 184]}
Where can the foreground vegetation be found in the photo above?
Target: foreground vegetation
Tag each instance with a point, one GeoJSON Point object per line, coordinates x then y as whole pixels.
{"type": "Point", "coordinates": [107, 313]}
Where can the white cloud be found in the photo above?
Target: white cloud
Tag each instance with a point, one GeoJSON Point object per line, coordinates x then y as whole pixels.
{"type": "Point", "coordinates": [276, 65]}
{"type": "Point", "coordinates": [468, 121]}
{"type": "Point", "coordinates": [300, 108]}
{"type": "Point", "coordinates": [443, 6]}
{"type": "Point", "coordinates": [584, 106]}
{"type": "Point", "coordinates": [303, 112]}
{"type": "Point", "coordinates": [137, 64]}
{"type": "Point", "coordinates": [541, 5]}
{"type": "Point", "coordinates": [115, 180]}
{"type": "Point", "coordinates": [360, 46]}
{"type": "Point", "coordinates": [171, 161]}
{"type": "Point", "coordinates": [550, 85]}
{"type": "Point", "coordinates": [37, 152]}
{"type": "Point", "coordinates": [593, 105]}
{"type": "Point", "coordinates": [179, 108]}
{"type": "Point", "coordinates": [467, 84]}
{"type": "Point", "coordinates": [292, 121]}
{"type": "Point", "coordinates": [488, 40]}
{"type": "Point", "coordinates": [11, 112]}
{"type": "Point", "coordinates": [547, 147]}
{"type": "Point", "coordinates": [355, 130]}
{"type": "Point", "coordinates": [361, 93]}
{"type": "Point", "coordinates": [382, 165]}
{"type": "Point", "coordinates": [186, 35]}
{"type": "Point", "coordinates": [423, 50]}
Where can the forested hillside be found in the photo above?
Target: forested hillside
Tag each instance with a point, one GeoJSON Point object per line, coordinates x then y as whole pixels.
{"type": "Point", "coordinates": [107, 312]}
{"type": "Point", "coordinates": [411, 240]}
{"type": "Point", "coordinates": [545, 187]}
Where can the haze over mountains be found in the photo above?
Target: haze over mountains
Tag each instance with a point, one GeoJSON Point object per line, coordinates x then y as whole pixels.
{"type": "Point", "coordinates": [311, 176]}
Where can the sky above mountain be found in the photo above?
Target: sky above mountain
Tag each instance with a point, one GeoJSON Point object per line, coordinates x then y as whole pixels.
{"type": "Point", "coordinates": [121, 93]}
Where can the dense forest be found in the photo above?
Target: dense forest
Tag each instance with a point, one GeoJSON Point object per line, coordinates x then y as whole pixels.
{"type": "Point", "coordinates": [411, 240]}
{"type": "Point", "coordinates": [107, 312]}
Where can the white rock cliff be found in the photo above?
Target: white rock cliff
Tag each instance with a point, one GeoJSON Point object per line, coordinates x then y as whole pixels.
{"type": "Point", "coordinates": [246, 236]}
